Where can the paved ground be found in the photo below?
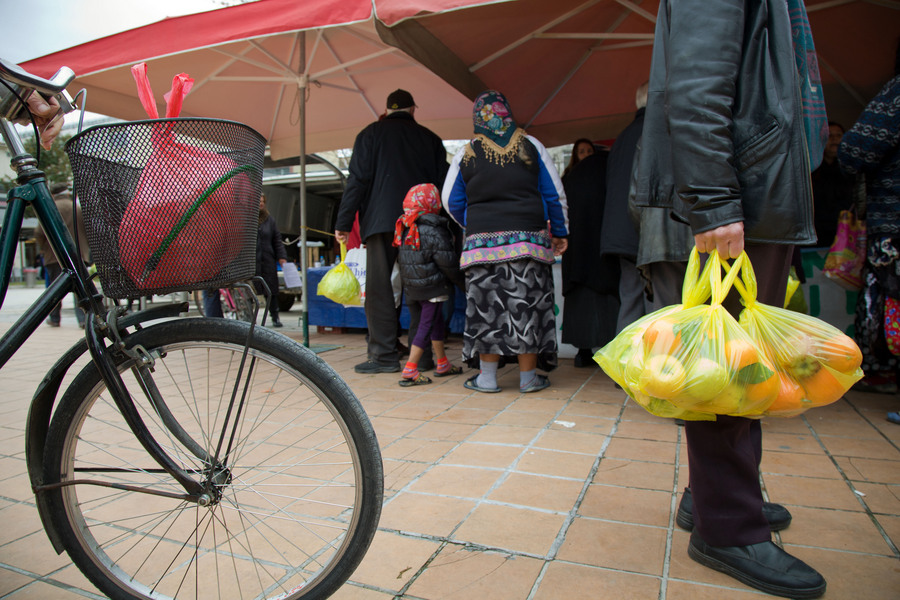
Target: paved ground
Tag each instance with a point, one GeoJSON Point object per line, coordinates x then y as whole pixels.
{"type": "Point", "coordinates": [565, 494]}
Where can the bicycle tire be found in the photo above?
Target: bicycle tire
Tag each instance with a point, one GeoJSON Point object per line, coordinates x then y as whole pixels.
{"type": "Point", "coordinates": [299, 505]}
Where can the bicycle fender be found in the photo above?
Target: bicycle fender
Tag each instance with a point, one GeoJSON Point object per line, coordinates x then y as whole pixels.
{"type": "Point", "coordinates": [41, 410]}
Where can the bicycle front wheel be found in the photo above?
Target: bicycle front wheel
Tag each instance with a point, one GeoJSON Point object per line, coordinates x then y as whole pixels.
{"type": "Point", "coordinates": [297, 485]}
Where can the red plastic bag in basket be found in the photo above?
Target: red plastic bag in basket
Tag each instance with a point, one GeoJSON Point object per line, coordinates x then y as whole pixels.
{"type": "Point", "coordinates": [181, 226]}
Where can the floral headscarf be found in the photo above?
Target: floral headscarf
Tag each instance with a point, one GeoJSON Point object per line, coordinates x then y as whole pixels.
{"type": "Point", "coordinates": [422, 199]}
{"type": "Point", "coordinates": [495, 127]}
{"type": "Point", "coordinates": [493, 118]}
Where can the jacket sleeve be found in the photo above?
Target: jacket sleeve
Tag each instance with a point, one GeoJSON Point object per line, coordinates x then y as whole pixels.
{"type": "Point", "coordinates": [359, 181]}
{"type": "Point", "coordinates": [277, 243]}
{"type": "Point", "coordinates": [704, 59]}
{"type": "Point", "coordinates": [453, 194]}
{"type": "Point", "coordinates": [445, 257]}
{"type": "Point", "coordinates": [865, 145]}
{"type": "Point", "coordinates": [555, 206]}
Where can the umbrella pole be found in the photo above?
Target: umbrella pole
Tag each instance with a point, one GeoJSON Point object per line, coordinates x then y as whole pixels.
{"type": "Point", "coordinates": [304, 298]}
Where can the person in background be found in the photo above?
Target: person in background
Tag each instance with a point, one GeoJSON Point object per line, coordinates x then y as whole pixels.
{"type": "Point", "coordinates": [502, 188]}
{"type": "Point", "coordinates": [429, 267]}
{"type": "Point", "coordinates": [723, 71]}
{"type": "Point", "coordinates": [589, 281]}
{"type": "Point", "coordinates": [73, 219]}
{"type": "Point", "coordinates": [581, 149]}
{"type": "Point", "coordinates": [872, 147]}
{"type": "Point", "coordinates": [389, 157]}
{"type": "Point", "coordinates": [270, 253]}
{"type": "Point", "coordinates": [832, 189]}
{"type": "Point", "coordinates": [618, 235]}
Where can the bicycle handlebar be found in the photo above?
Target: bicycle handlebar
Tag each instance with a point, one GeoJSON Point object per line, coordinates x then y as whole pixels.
{"type": "Point", "coordinates": [22, 81]}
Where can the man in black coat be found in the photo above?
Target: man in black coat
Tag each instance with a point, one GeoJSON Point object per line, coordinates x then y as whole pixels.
{"type": "Point", "coordinates": [389, 157]}
{"type": "Point", "coordinates": [618, 236]}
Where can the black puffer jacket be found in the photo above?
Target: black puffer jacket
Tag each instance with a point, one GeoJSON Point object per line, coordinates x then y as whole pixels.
{"type": "Point", "coordinates": [430, 271]}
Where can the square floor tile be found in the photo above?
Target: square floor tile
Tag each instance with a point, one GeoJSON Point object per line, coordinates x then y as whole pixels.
{"type": "Point", "coordinates": [459, 573]}
{"type": "Point", "coordinates": [460, 482]}
{"type": "Point", "coordinates": [515, 529]}
{"type": "Point", "coordinates": [621, 546]}
{"type": "Point", "coordinates": [425, 513]}
{"type": "Point", "coordinates": [629, 505]}
{"type": "Point", "coordinates": [564, 581]}
{"type": "Point", "coordinates": [537, 491]}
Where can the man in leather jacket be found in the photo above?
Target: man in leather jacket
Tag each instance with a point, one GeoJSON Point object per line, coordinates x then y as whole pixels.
{"type": "Point", "coordinates": [724, 149]}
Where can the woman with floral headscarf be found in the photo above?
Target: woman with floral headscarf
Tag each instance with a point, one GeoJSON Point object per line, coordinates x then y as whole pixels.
{"type": "Point", "coordinates": [503, 189]}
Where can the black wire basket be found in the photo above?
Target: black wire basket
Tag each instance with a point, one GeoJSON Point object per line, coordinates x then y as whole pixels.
{"type": "Point", "coordinates": [169, 204]}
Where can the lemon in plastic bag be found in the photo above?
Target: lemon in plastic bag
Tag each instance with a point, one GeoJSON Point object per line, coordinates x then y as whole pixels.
{"type": "Point", "coordinates": [340, 284]}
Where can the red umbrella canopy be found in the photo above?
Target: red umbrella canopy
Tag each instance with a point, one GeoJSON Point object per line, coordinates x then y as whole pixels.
{"type": "Point", "coordinates": [570, 68]}
{"type": "Point", "coordinates": [252, 62]}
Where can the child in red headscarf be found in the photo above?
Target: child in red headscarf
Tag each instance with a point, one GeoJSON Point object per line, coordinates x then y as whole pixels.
{"type": "Point", "coordinates": [429, 265]}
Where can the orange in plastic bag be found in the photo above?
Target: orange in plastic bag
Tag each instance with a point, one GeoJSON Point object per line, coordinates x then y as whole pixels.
{"type": "Point", "coordinates": [816, 362]}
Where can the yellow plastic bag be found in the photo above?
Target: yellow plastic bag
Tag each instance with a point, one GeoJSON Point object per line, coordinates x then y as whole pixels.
{"type": "Point", "coordinates": [693, 360]}
{"type": "Point", "coordinates": [815, 362]}
{"type": "Point", "coordinates": [339, 283]}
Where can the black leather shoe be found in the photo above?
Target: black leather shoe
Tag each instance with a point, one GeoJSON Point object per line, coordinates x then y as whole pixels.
{"type": "Point", "coordinates": [370, 368]}
{"type": "Point", "coordinates": [763, 566]}
{"type": "Point", "coordinates": [777, 515]}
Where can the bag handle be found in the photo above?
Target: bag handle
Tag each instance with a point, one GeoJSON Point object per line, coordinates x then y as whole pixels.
{"type": "Point", "coordinates": [343, 252]}
{"type": "Point", "coordinates": [741, 277]}
{"type": "Point", "coordinates": [696, 288]}
{"type": "Point", "coordinates": [181, 85]}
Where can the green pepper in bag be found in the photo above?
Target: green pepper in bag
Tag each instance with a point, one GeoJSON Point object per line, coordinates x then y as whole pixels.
{"type": "Point", "coordinates": [340, 284]}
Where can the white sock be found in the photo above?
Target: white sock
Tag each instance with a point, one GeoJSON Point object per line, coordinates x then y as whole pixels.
{"type": "Point", "coordinates": [488, 376]}
{"type": "Point", "coordinates": [526, 377]}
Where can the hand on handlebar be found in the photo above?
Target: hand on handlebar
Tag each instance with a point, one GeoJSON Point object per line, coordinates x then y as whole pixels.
{"type": "Point", "coordinates": [48, 116]}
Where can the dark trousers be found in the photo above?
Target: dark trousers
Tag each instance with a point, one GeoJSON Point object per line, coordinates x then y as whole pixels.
{"type": "Point", "coordinates": [381, 312]}
{"type": "Point", "coordinates": [212, 303]}
{"type": "Point", "coordinates": [54, 271]}
{"type": "Point", "coordinates": [431, 325]}
{"type": "Point", "coordinates": [632, 301]}
{"type": "Point", "coordinates": [724, 454]}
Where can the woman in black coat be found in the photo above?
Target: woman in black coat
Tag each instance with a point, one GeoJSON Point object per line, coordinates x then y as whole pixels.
{"type": "Point", "coordinates": [270, 253]}
{"type": "Point", "coordinates": [590, 281]}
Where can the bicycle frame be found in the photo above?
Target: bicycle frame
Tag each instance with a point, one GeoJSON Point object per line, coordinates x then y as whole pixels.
{"type": "Point", "coordinates": [74, 278]}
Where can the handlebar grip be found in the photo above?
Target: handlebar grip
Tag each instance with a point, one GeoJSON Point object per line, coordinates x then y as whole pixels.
{"type": "Point", "coordinates": [23, 82]}
{"type": "Point", "coordinates": [50, 87]}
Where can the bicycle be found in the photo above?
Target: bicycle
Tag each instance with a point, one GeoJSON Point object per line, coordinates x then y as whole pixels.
{"type": "Point", "coordinates": [191, 457]}
{"type": "Point", "coordinates": [237, 303]}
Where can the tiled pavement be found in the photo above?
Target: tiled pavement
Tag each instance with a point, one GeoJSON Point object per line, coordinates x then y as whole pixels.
{"type": "Point", "coordinates": [564, 494]}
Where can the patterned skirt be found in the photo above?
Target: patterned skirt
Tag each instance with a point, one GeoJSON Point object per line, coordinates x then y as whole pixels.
{"type": "Point", "coordinates": [510, 311]}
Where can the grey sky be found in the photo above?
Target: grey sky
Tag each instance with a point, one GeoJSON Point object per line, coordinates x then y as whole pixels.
{"type": "Point", "coordinates": [60, 24]}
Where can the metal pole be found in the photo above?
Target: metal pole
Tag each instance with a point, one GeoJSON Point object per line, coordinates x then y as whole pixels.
{"type": "Point", "coordinates": [304, 298]}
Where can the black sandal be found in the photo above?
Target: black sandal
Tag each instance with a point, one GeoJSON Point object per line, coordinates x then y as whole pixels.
{"type": "Point", "coordinates": [448, 372]}
{"type": "Point", "coordinates": [420, 380]}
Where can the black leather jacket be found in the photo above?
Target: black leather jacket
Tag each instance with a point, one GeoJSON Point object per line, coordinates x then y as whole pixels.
{"type": "Point", "coordinates": [723, 137]}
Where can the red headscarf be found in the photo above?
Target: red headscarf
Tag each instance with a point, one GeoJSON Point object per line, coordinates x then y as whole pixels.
{"type": "Point", "coordinates": [422, 199]}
